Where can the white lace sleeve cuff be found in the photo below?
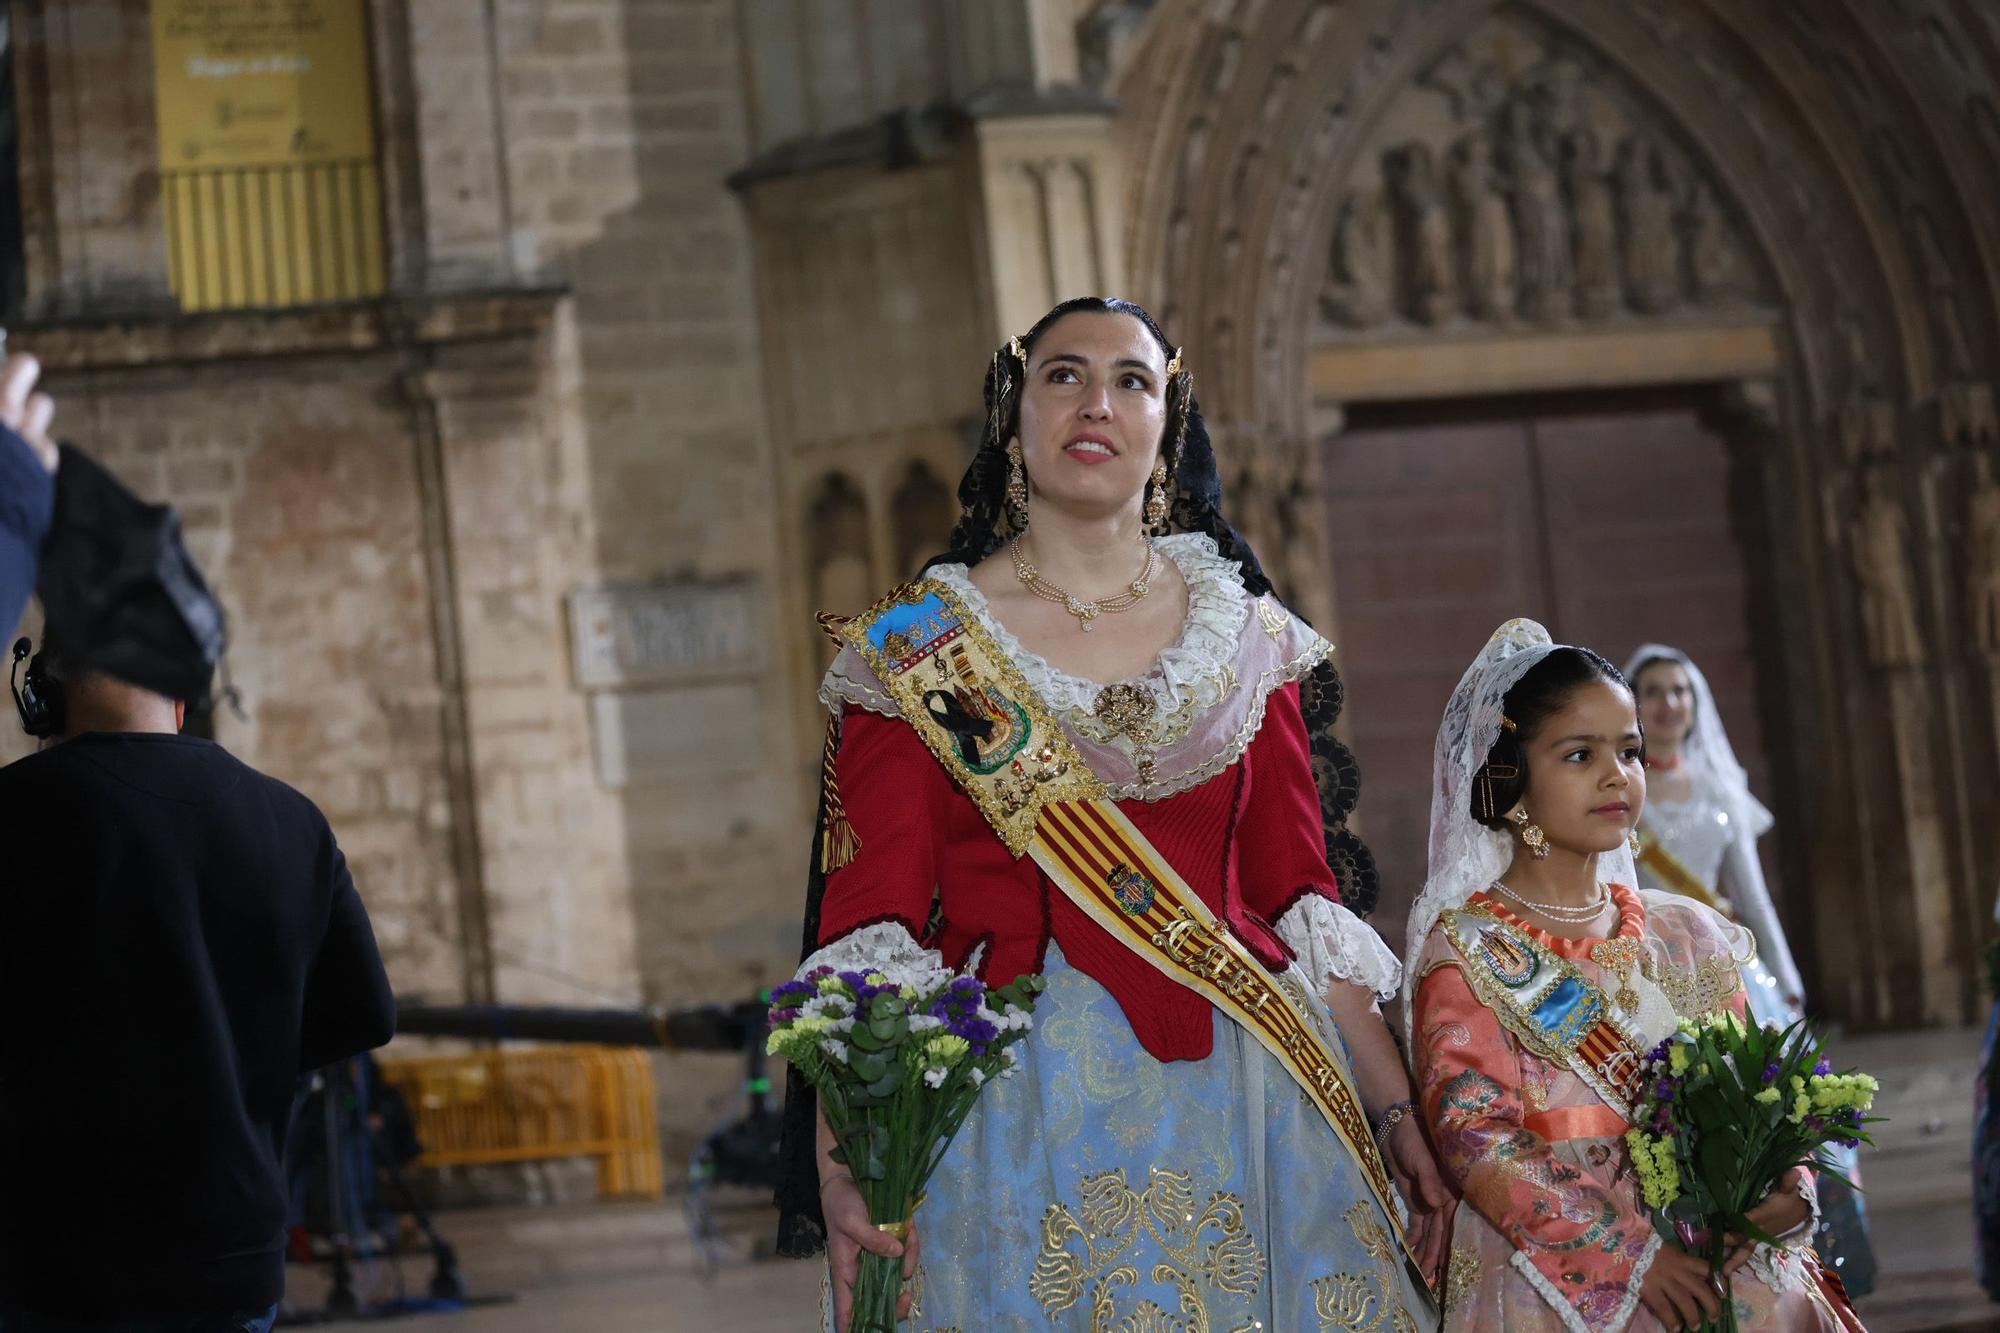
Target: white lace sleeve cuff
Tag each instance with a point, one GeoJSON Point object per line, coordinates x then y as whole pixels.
{"type": "Point", "coordinates": [1333, 944]}
{"type": "Point", "coordinates": [882, 947]}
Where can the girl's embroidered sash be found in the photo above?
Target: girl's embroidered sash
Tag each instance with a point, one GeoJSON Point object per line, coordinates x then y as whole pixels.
{"type": "Point", "coordinates": [1555, 1010]}
{"type": "Point", "coordinates": [982, 719]}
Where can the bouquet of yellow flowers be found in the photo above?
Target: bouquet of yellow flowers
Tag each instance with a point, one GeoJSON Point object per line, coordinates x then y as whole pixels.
{"type": "Point", "coordinates": [898, 1057]}
{"type": "Point", "coordinates": [1730, 1109]}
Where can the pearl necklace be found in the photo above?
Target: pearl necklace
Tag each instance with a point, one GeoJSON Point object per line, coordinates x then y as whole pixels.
{"type": "Point", "coordinates": [1569, 916]}
{"type": "Point", "coordinates": [1085, 612]}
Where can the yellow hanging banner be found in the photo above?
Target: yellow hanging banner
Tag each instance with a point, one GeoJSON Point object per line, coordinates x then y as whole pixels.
{"type": "Point", "coordinates": [251, 83]}
{"type": "Point", "coordinates": [267, 151]}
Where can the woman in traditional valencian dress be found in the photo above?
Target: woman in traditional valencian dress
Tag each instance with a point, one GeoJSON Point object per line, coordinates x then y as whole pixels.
{"type": "Point", "coordinates": [1698, 838]}
{"type": "Point", "coordinates": [1154, 1162]}
{"type": "Point", "coordinates": [1539, 782]}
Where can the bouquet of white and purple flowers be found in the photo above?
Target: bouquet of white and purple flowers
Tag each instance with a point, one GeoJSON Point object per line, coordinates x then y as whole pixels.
{"type": "Point", "coordinates": [898, 1057]}
{"type": "Point", "coordinates": [1729, 1110]}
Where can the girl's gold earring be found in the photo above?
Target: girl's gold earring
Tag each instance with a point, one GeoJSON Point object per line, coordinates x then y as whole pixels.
{"type": "Point", "coordinates": [1536, 841]}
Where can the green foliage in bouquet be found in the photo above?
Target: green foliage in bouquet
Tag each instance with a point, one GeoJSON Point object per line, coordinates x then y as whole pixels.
{"type": "Point", "coordinates": [1730, 1109]}
{"type": "Point", "coordinates": [898, 1057]}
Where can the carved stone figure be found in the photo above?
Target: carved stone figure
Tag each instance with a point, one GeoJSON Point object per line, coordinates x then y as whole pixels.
{"type": "Point", "coordinates": [1485, 230]}
{"type": "Point", "coordinates": [1652, 260]}
{"type": "Point", "coordinates": [1359, 289]}
{"type": "Point", "coordinates": [1424, 229]}
{"type": "Point", "coordinates": [1541, 222]}
{"type": "Point", "coordinates": [1713, 274]}
{"type": "Point", "coordinates": [1982, 576]}
{"type": "Point", "coordinates": [1879, 539]}
{"type": "Point", "coordinates": [1594, 216]}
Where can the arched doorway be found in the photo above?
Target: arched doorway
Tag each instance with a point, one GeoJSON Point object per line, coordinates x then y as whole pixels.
{"type": "Point", "coordinates": [1340, 205]}
{"type": "Point", "coordinates": [1613, 517]}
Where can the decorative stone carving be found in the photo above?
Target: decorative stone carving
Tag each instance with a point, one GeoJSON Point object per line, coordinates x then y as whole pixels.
{"type": "Point", "coordinates": [1713, 273]}
{"type": "Point", "coordinates": [1982, 575]}
{"type": "Point", "coordinates": [1423, 232]}
{"type": "Point", "coordinates": [1645, 201]}
{"type": "Point", "coordinates": [1508, 200]}
{"type": "Point", "coordinates": [1360, 286]}
{"type": "Point", "coordinates": [1594, 216]}
{"type": "Point", "coordinates": [1540, 218]}
{"type": "Point", "coordinates": [1879, 543]}
{"type": "Point", "coordinates": [1485, 230]}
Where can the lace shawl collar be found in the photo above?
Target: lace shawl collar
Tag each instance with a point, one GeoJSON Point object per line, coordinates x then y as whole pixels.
{"type": "Point", "coordinates": [1181, 723]}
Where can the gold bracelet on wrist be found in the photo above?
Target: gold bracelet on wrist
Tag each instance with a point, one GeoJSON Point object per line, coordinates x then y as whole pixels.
{"type": "Point", "coordinates": [1391, 1118]}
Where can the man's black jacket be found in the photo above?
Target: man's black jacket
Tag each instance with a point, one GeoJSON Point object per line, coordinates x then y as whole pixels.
{"type": "Point", "coordinates": [179, 941]}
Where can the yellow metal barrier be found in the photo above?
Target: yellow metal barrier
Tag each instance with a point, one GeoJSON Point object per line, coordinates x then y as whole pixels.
{"type": "Point", "coordinates": [537, 1105]}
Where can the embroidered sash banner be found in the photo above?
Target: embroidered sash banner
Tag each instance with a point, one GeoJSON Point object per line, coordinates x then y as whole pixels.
{"type": "Point", "coordinates": [1673, 872]}
{"type": "Point", "coordinates": [1556, 1011]}
{"type": "Point", "coordinates": [1105, 865]}
{"type": "Point", "coordinates": [973, 708]}
{"type": "Point", "coordinates": [982, 719]}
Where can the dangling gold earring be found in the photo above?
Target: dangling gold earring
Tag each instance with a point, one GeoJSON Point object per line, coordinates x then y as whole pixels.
{"type": "Point", "coordinates": [1156, 504]}
{"type": "Point", "coordinates": [1017, 488]}
{"type": "Point", "coordinates": [1632, 841]}
{"type": "Point", "coordinates": [1532, 836]}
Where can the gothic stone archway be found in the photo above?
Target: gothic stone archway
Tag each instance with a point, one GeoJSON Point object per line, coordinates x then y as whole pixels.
{"type": "Point", "coordinates": [1335, 201]}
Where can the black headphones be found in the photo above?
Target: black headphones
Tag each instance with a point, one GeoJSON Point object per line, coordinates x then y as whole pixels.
{"type": "Point", "coordinates": [39, 699]}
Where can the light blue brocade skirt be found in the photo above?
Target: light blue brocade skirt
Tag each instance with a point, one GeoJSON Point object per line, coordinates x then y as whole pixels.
{"type": "Point", "coordinates": [1099, 1188]}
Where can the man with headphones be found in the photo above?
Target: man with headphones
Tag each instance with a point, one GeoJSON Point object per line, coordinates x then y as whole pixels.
{"type": "Point", "coordinates": [179, 942]}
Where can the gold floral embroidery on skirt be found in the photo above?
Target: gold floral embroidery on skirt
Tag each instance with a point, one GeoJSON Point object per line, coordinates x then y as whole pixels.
{"type": "Point", "coordinates": [1199, 1252]}
{"type": "Point", "coordinates": [1461, 1276]}
{"type": "Point", "coordinates": [1364, 1304]}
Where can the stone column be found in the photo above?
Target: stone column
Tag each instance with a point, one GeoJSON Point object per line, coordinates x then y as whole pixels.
{"type": "Point", "coordinates": [546, 907]}
{"type": "Point", "coordinates": [1051, 228]}
{"type": "Point", "coordinates": [450, 104]}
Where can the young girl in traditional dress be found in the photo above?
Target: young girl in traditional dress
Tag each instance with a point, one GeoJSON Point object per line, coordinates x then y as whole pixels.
{"type": "Point", "coordinates": [1152, 1164]}
{"type": "Point", "coordinates": [1540, 780]}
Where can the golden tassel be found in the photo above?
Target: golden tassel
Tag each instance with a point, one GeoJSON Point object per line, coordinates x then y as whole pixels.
{"type": "Point", "coordinates": [838, 843]}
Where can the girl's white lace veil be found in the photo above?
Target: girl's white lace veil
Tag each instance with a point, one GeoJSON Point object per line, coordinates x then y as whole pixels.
{"type": "Point", "coordinates": [1711, 760]}
{"type": "Point", "coordinates": [1465, 855]}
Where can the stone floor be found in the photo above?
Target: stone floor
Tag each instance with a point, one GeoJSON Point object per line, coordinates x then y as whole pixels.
{"type": "Point", "coordinates": [623, 1269]}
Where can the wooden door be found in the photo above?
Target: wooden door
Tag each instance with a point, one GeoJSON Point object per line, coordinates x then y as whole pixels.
{"type": "Point", "coordinates": [1609, 521]}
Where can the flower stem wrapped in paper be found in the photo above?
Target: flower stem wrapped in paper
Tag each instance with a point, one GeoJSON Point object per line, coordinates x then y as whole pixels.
{"type": "Point", "coordinates": [1731, 1110]}
{"type": "Point", "coordinates": [898, 1057]}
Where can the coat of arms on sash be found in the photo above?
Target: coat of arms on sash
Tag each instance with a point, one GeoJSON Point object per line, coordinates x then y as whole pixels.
{"type": "Point", "coordinates": [973, 708]}
{"type": "Point", "coordinates": [1132, 888]}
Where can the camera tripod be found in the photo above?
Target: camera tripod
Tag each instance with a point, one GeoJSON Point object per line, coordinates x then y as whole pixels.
{"type": "Point", "coordinates": [352, 1158]}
